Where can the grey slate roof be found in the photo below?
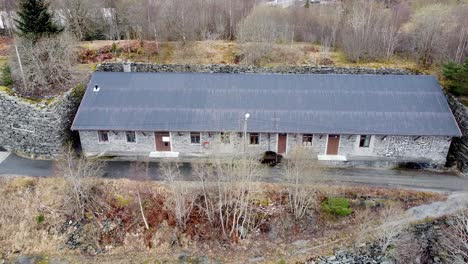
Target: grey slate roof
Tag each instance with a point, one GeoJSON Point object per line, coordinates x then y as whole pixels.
{"type": "Point", "coordinates": [293, 103]}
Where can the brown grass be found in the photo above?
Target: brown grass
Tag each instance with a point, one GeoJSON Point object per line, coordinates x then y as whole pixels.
{"type": "Point", "coordinates": [224, 52]}
{"type": "Point", "coordinates": [25, 199]}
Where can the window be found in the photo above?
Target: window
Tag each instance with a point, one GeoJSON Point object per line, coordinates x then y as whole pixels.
{"type": "Point", "coordinates": [225, 138]}
{"type": "Point", "coordinates": [364, 141]}
{"type": "Point", "coordinates": [103, 136]}
{"type": "Point", "coordinates": [253, 138]}
{"type": "Point", "coordinates": [131, 136]}
{"type": "Point", "coordinates": [195, 137]}
{"type": "Point", "coordinates": [307, 139]}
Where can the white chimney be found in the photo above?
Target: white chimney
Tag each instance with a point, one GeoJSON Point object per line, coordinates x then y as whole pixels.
{"type": "Point", "coordinates": [127, 67]}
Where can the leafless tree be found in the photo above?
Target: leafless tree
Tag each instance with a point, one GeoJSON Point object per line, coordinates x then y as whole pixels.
{"type": "Point", "coordinates": [264, 26]}
{"type": "Point", "coordinates": [139, 173]}
{"type": "Point", "coordinates": [234, 194]}
{"type": "Point", "coordinates": [455, 238]}
{"type": "Point", "coordinates": [78, 172]}
{"type": "Point", "coordinates": [206, 175]}
{"type": "Point", "coordinates": [82, 18]}
{"type": "Point", "coordinates": [318, 23]}
{"type": "Point", "coordinates": [460, 35]}
{"type": "Point", "coordinates": [406, 249]}
{"type": "Point", "coordinates": [47, 64]}
{"type": "Point", "coordinates": [430, 26]}
{"type": "Point", "coordinates": [392, 225]}
{"type": "Point", "coordinates": [301, 170]}
{"type": "Point", "coordinates": [182, 197]}
{"type": "Point", "coordinates": [228, 192]}
{"type": "Point", "coordinates": [370, 30]}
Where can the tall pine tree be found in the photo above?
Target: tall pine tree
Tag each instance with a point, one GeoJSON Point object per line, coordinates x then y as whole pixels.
{"type": "Point", "coordinates": [35, 21]}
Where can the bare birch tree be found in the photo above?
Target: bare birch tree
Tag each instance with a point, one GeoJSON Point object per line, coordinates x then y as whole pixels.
{"type": "Point", "coordinates": [234, 192]}
{"type": "Point", "coordinates": [228, 192]}
{"type": "Point", "coordinates": [205, 173]}
{"type": "Point", "coordinates": [370, 31]}
{"type": "Point", "coordinates": [455, 238]}
{"type": "Point", "coordinates": [301, 170]}
{"type": "Point", "coordinates": [140, 172]}
{"type": "Point", "coordinates": [392, 224]}
{"type": "Point", "coordinates": [78, 172]}
{"type": "Point", "coordinates": [182, 198]}
{"type": "Point", "coordinates": [47, 64]}
{"type": "Point", "coordinates": [430, 26]}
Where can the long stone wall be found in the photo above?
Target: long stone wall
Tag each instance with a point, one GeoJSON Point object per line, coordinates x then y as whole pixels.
{"type": "Point", "coordinates": [220, 68]}
{"type": "Point", "coordinates": [37, 129]}
{"type": "Point", "coordinates": [458, 154]}
{"type": "Point", "coordinates": [430, 151]}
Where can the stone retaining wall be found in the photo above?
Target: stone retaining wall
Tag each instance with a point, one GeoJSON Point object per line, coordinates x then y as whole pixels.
{"type": "Point", "coordinates": [220, 68]}
{"type": "Point", "coordinates": [37, 129]}
{"type": "Point", "coordinates": [458, 154]}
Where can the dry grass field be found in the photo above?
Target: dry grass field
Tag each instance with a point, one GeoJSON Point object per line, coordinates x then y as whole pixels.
{"type": "Point", "coordinates": [223, 52]}
{"type": "Point", "coordinates": [36, 219]}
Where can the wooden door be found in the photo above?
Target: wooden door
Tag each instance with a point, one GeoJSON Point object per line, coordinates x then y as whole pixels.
{"type": "Point", "coordinates": [162, 141]}
{"type": "Point", "coordinates": [282, 140]}
{"type": "Point", "coordinates": [333, 144]}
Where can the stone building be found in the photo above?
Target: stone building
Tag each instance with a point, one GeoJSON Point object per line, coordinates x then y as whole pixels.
{"type": "Point", "coordinates": [342, 118]}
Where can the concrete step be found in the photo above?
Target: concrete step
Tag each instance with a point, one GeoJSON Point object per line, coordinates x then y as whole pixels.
{"type": "Point", "coordinates": [3, 156]}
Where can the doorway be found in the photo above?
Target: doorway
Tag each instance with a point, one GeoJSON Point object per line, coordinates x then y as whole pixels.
{"type": "Point", "coordinates": [163, 141]}
{"type": "Point", "coordinates": [333, 144]}
{"type": "Point", "coordinates": [282, 141]}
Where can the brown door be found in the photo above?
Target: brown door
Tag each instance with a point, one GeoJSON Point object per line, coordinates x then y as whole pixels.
{"type": "Point", "coordinates": [162, 141]}
{"type": "Point", "coordinates": [282, 139]}
{"type": "Point", "coordinates": [333, 143]}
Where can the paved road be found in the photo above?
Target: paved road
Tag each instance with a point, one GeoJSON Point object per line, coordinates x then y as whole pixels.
{"type": "Point", "coordinates": [14, 165]}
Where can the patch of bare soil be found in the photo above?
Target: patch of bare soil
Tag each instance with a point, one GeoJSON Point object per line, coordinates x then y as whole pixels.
{"type": "Point", "coordinates": [5, 46]}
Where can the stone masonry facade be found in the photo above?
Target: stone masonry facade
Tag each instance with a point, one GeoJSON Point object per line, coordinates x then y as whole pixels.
{"type": "Point", "coordinates": [37, 130]}
{"type": "Point", "coordinates": [458, 155]}
{"type": "Point", "coordinates": [382, 150]}
{"type": "Point", "coordinates": [392, 149]}
{"type": "Point", "coordinates": [221, 68]}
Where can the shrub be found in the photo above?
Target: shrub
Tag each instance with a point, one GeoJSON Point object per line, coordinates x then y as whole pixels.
{"type": "Point", "coordinates": [6, 75]}
{"type": "Point", "coordinates": [48, 65]}
{"type": "Point", "coordinates": [337, 206]}
{"type": "Point", "coordinates": [457, 77]}
{"type": "Point", "coordinates": [40, 219]}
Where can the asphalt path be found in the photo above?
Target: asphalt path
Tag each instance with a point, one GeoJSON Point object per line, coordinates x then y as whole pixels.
{"type": "Point", "coordinates": [14, 165]}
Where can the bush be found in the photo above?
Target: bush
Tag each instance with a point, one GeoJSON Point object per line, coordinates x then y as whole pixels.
{"type": "Point", "coordinates": [6, 75]}
{"type": "Point", "coordinates": [48, 65]}
{"type": "Point", "coordinates": [457, 77]}
{"type": "Point", "coordinates": [337, 206]}
{"type": "Point", "coordinates": [40, 219]}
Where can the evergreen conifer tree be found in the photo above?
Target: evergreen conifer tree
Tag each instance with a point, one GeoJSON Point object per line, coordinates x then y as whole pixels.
{"type": "Point", "coordinates": [457, 77]}
{"type": "Point", "coordinates": [35, 21]}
